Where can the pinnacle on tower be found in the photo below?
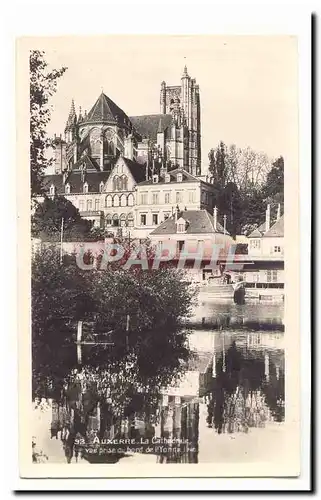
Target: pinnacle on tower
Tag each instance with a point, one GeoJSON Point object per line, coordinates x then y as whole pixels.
{"type": "Point", "coordinates": [185, 71]}
{"type": "Point", "coordinates": [72, 115]}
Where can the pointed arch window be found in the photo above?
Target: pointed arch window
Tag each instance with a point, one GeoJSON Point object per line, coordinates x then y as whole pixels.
{"type": "Point", "coordinates": [85, 187]}
{"type": "Point", "coordinates": [122, 219]}
{"type": "Point", "coordinates": [116, 201]}
{"type": "Point", "coordinates": [52, 190]}
{"type": "Point", "coordinates": [130, 219]}
{"type": "Point", "coordinates": [109, 220]}
{"type": "Point", "coordinates": [130, 200]}
{"type": "Point", "coordinates": [109, 201]}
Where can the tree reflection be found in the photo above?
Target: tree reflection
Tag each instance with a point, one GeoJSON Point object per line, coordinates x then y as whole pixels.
{"type": "Point", "coordinates": [247, 390]}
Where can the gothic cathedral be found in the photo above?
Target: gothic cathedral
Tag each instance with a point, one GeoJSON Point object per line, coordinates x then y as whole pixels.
{"type": "Point", "coordinates": [158, 142]}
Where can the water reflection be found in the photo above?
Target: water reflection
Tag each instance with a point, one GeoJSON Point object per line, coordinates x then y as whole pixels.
{"type": "Point", "coordinates": [237, 384]}
{"type": "Point", "coordinates": [246, 386]}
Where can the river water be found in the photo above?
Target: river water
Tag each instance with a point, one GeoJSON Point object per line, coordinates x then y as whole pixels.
{"type": "Point", "coordinates": [229, 406]}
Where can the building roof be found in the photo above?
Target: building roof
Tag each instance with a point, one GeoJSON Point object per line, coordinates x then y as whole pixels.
{"type": "Point", "coordinates": [148, 125]}
{"type": "Point", "coordinates": [258, 232]}
{"type": "Point", "coordinates": [75, 180]}
{"type": "Point", "coordinates": [277, 230]}
{"type": "Point", "coordinates": [199, 222]}
{"type": "Point", "coordinates": [105, 110]}
{"type": "Point", "coordinates": [187, 177]}
{"type": "Point", "coordinates": [136, 169]}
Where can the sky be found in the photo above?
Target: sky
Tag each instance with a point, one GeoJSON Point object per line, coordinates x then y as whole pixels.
{"type": "Point", "coordinates": [248, 84]}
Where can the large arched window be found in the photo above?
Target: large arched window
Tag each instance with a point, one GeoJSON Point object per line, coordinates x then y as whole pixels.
{"type": "Point", "coordinates": [124, 183]}
{"type": "Point", "coordinates": [116, 200]}
{"type": "Point", "coordinates": [116, 183]}
{"type": "Point", "coordinates": [123, 200]}
{"type": "Point", "coordinates": [130, 200]}
{"type": "Point", "coordinates": [109, 201]}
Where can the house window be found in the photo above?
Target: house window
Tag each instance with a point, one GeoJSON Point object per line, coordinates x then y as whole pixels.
{"type": "Point", "coordinates": [85, 188]}
{"type": "Point", "coordinates": [277, 249]}
{"type": "Point", "coordinates": [179, 177]}
{"type": "Point", "coordinates": [155, 179]}
{"type": "Point", "coordinates": [181, 228]}
{"type": "Point", "coordinates": [180, 245]}
{"type": "Point", "coordinates": [179, 197]}
{"type": "Point", "coordinates": [81, 206]}
{"type": "Point", "coordinates": [52, 189]}
{"type": "Point", "coordinates": [167, 197]}
{"type": "Point", "coordinates": [155, 219]}
{"type": "Point", "coordinates": [191, 197]}
{"type": "Point", "coordinates": [272, 276]}
{"type": "Point", "coordinates": [67, 189]}
{"type": "Point", "coordinates": [155, 199]}
{"type": "Point", "coordinates": [143, 220]}
{"type": "Point", "coordinates": [108, 220]}
{"type": "Point", "coordinates": [167, 178]}
{"type": "Point", "coordinates": [143, 199]}
{"type": "Point", "coordinates": [89, 205]}
{"type": "Point", "coordinates": [256, 277]}
{"type": "Point", "coordinates": [97, 203]}
{"type": "Point", "coordinates": [255, 244]}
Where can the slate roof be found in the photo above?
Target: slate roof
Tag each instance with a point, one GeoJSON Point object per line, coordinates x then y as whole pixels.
{"type": "Point", "coordinates": [76, 184]}
{"type": "Point", "coordinates": [105, 110]}
{"type": "Point", "coordinates": [136, 169]}
{"type": "Point", "coordinates": [277, 230]}
{"type": "Point", "coordinates": [187, 177]}
{"type": "Point", "coordinates": [148, 125]}
{"type": "Point", "coordinates": [199, 222]}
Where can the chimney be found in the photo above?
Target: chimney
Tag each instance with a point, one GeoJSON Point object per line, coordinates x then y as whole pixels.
{"type": "Point", "coordinates": [278, 215]}
{"type": "Point", "coordinates": [267, 218]}
{"type": "Point", "coordinates": [215, 217]}
{"type": "Point", "coordinates": [176, 212]}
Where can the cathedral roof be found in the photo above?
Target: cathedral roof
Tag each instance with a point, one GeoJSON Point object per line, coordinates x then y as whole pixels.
{"type": "Point", "coordinates": [147, 125]}
{"type": "Point", "coordinates": [105, 110]}
{"type": "Point", "coordinates": [199, 222]}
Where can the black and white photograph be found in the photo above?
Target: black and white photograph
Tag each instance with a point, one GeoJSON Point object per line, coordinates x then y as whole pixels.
{"type": "Point", "coordinates": [160, 234]}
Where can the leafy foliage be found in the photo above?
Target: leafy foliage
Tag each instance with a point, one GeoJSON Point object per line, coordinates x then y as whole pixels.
{"type": "Point", "coordinates": [144, 358]}
{"type": "Point", "coordinates": [244, 183]}
{"type": "Point", "coordinates": [43, 84]}
{"type": "Point", "coordinates": [47, 220]}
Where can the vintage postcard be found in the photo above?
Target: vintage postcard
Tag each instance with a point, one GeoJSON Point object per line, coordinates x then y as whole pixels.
{"type": "Point", "coordinates": [159, 249]}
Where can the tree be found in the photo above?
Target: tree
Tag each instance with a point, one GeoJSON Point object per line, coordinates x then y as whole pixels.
{"type": "Point", "coordinates": [47, 220]}
{"type": "Point", "coordinates": [217, 164]}
{"type": "Point", "coordinates": [273, 190]}
{"type": "Point", "coordinates": [43, 84]}
{"type": "Point", "coordinates": [151, 354]}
